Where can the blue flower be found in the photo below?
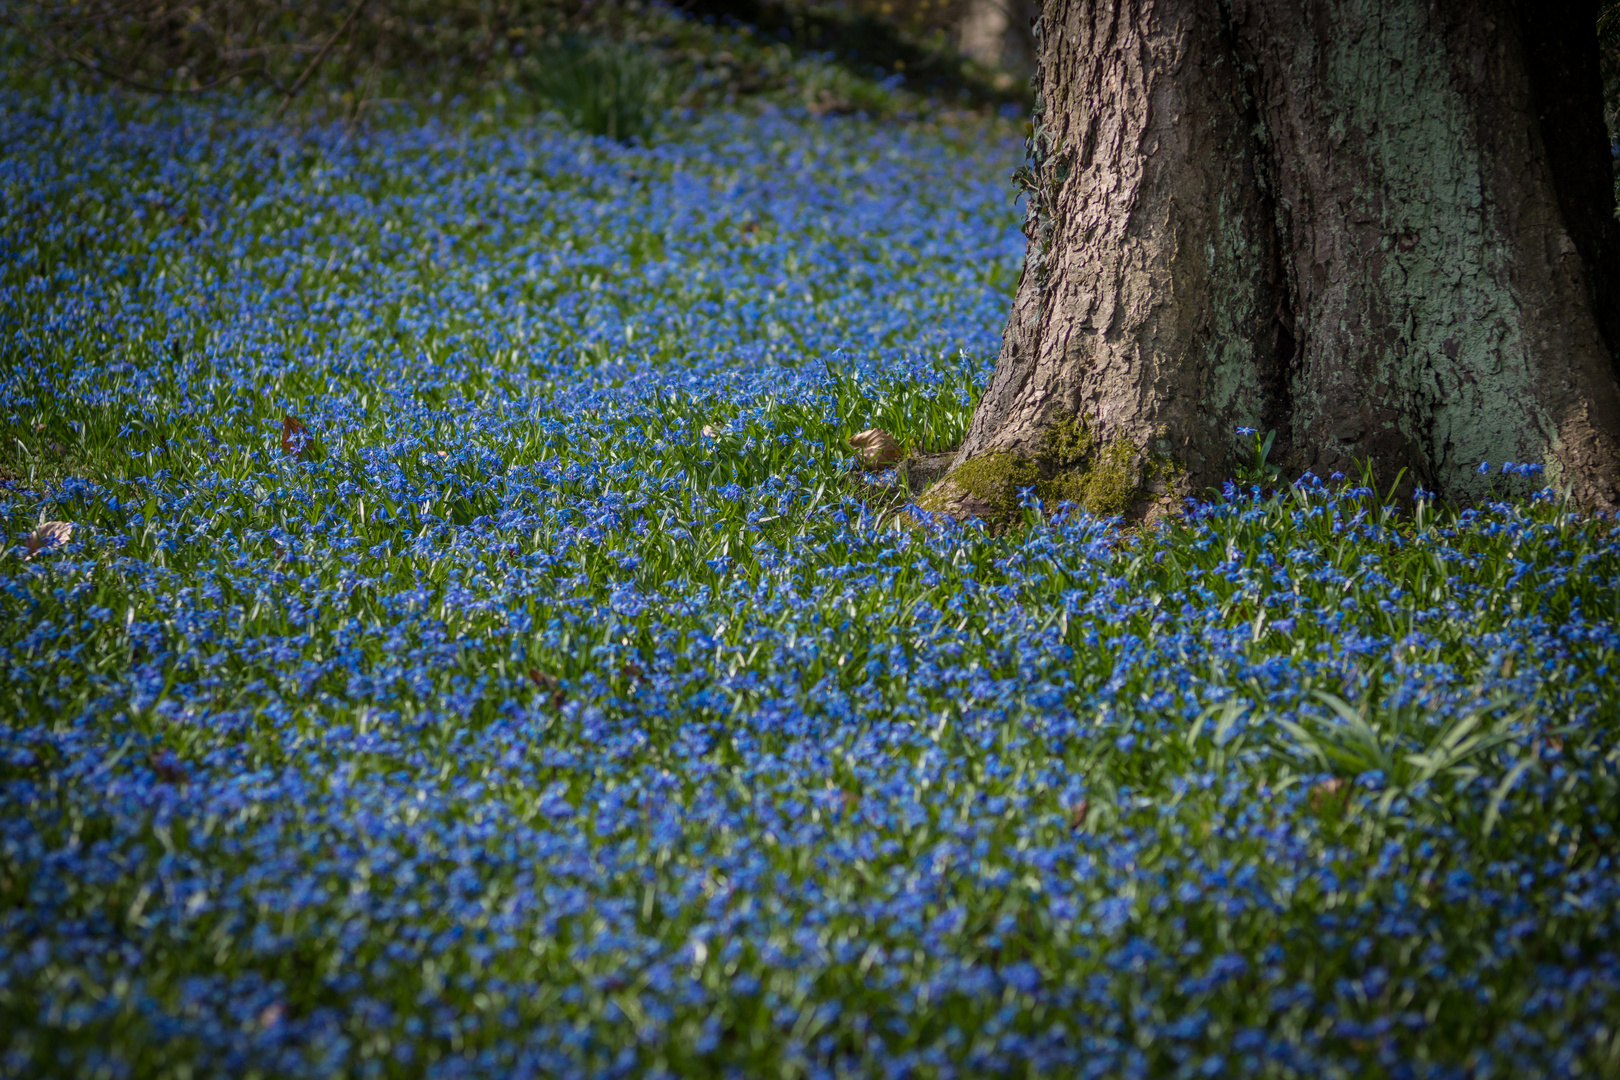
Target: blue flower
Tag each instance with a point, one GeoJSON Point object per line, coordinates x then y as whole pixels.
{"type": "Point", "coordinates": [525, 723]}
{"type": "Point", "coordinates": [1247, 431]}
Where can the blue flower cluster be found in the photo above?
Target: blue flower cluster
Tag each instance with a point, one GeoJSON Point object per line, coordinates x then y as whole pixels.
{"type": "Point", "coordinates": [476, 657]}
{"type": "Point", "coordinates": [1524, 469]}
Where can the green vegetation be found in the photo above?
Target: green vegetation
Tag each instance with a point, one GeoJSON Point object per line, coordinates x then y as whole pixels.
{"type": "Point", "coordinates": [1069, 468]}
{"type": "Point", "coordinates": [606, 64]}
{"type": "Point", "coordinates": [603, 88]}
{"type": "Point", "coordinates": [570, 706]}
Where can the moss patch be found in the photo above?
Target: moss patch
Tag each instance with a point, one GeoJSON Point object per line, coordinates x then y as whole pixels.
{"type": "Point", "coordinates": [1068, 443]}
{"type": "Point", "coordinates": [1070, 467]}
{"type": "Point", "coordinates": [1110, 484]}
{"type": "Point", "coordinates": [993, 479]}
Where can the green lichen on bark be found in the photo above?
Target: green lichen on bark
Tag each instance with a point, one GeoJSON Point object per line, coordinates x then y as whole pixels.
{"type": "Point", "coordinates": [1067, 443]}
{"type": "Point", "coordinates": [992, 480]}
{"type": "Point", "coordinates": [1070, 467]}
{"type": "Point", "coordinates": [1110, 484]}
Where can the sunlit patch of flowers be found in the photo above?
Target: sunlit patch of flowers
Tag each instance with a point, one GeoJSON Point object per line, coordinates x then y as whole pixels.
{"type": "Point", "coordinates": [550, 701]}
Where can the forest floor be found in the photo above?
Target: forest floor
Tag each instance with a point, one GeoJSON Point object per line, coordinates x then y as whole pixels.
{"type": "Point", "coordinates": [475, 652]}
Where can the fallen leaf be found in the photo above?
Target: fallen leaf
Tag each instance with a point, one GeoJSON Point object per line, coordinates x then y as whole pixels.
{"type": "Point", "coordinates": [878, 448]}
{"type": "Point", "coordinates": [295, 438]}
{"type": "Point", "coordinates": [1077, 815]}
{"type": "Point", "coordinates": [1325, 791]}
{"type": "Point", "coordinates": [1551, 748]}
{"type": "Point", "coordinates": [271, 1014]}
{"type": "Point", "coordinates": [168, 768]}
{"type": "Point", "coordinates": [708, 432]}
{"type": "Point", "coordinates": [544, 681]}
{"type": "Point", "coordinates": [49, 534]}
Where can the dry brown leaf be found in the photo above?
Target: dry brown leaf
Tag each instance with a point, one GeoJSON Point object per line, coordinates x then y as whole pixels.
{"type": "Point", "coordinates": [878, 448]}
{"type": "Point", "coordinates": [49, 534]}
{"type": "Point", "coordinates": [1553, 747]}
{"type": "Point", "coordinates": [167, 768]}
{"type": "Point", "coordinates": [708, 432]}
{"type": "Point", "coordinates": [295, 438]}
{"type": "Point", "coordinates": [1324, 792]}
{"type": "Point", "coordinates": [546, 681]}
{"type": "Point", "coordinates": [1077, 814]}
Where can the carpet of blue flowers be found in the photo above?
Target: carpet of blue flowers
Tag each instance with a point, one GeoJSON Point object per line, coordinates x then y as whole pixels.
{"type": "Point", "coordinates": [424, 690]}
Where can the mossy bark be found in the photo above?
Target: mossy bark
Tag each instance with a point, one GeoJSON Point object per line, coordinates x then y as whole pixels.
{"type": "Point", "coordinates": [1069, 467]}
{"type": "Point", "coordinates": [1382, 229]}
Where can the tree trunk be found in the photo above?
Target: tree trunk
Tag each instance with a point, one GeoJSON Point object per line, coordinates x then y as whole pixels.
{"type": "Point", "coordinates": [996, 34]}
{"type": "Point", "coordinates": [983, 32]}
{"type": "Point", "coordinates": [1383, 229]}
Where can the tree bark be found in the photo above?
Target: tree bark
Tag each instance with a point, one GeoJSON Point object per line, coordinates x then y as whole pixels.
{"type": "Point", "coordinates": [1383, 229]}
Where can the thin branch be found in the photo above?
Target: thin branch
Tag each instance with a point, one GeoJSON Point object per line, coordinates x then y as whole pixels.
{"type": "Point", "coordinates": [315, 63]}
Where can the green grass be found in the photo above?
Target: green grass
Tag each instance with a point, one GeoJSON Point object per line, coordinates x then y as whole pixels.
{"type": "Point", "coordinates": [521, 726]}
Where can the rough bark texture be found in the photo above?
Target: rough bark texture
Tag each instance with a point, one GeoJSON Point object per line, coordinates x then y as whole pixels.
{"type": "Point", "coordinates": [1382, 229]}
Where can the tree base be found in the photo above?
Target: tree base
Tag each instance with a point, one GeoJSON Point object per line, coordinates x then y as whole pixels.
{"type": "Point", "coordinates": [1385, 234]}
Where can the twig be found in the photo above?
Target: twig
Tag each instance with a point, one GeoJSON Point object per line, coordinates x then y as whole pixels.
{"type": "Point", "coordinates": [315, 63]}
{"type": "Point", "coordinates": [360, 101]}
